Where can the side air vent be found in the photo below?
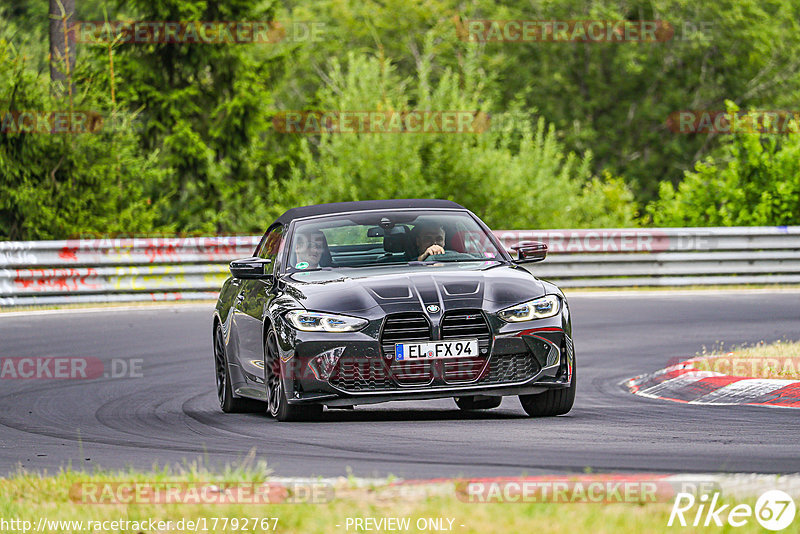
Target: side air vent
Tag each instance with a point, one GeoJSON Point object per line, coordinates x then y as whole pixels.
{"type": "Point", "coordinates": [510, 368]}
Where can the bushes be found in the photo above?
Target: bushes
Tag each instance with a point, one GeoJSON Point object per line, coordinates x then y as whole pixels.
{"type": "Point", "coordinates": [754, 180]}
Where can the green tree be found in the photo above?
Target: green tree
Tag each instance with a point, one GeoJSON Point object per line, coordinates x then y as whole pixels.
{"type": "Point", "coordinates": [205, 108]}
{"type": "Point", "coordinates": [614, 98]}
{"type": "Point", "coordinates": [515, 175]}
{"type": "Point", "coordinates": [56, 185]}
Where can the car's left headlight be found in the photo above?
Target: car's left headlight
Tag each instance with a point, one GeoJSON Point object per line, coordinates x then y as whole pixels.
{"type": "Point", "coordinates": [308, 321]}
{"type": "Point", "coordinates": [540, 308]}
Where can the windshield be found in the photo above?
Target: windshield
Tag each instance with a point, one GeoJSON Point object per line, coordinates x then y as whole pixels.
{"type": "Point", "coordinates": [389, 237]}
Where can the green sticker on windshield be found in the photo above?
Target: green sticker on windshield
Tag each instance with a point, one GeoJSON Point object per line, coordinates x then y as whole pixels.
{"type": "Point", "coordinates": [302, 265]}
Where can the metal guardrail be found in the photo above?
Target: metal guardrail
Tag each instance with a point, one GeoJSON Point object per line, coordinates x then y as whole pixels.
{"type": "Point", "coordinates": [117, 270]}
{"type": "Point", "coordinates": [667, 256]}
{"type": "Point", "coordinates": [185, 268]}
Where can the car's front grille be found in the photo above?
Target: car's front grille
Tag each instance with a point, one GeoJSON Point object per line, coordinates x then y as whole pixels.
{"type": "Point", "coordinates": [505, 368]}
{"type": "Point", "coordinates": [407, 328]}
{"type": "Point", "coordinates": [466, 324]}
{"type": "Point", "coordinates": [372, 374]}
{"type": "Point", "coordinates": [463, 370]}
{"type": "Point", "coordinates": [360, 374]}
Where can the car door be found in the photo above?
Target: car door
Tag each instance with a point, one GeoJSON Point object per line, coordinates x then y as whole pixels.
{"type": "Point", "coordinates": [250, 308]}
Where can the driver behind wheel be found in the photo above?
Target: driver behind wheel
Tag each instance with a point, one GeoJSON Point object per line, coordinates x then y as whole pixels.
{"type": "Point", "coordinates": [429, 238]}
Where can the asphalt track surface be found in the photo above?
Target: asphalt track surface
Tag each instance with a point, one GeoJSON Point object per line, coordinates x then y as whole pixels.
{"type": "Point", "coordinates": [169, 416]}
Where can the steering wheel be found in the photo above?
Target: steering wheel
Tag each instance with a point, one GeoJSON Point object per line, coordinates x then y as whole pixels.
{"type": "Point", "coordinates": [450, 255]}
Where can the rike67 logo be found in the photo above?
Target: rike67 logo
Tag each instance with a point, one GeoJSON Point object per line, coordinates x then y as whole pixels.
{"type": "Point", "coordinates": [774, 510]}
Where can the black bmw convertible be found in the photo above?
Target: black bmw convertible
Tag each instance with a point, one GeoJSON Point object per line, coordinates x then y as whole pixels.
{"type": "Point", "coordinates": [372, 301]}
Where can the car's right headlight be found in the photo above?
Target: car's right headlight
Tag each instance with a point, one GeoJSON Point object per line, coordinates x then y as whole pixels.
{"type": "Point", "coordinates": [540, 308]}
{"type": "Point", "coordinates": [309, 321]}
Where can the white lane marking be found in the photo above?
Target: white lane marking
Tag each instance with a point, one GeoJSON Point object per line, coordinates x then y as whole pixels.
{"type": "Point", "coordinates": [632, 293]}
{"type": "Point", "coordinates": [743, 391]}
{"type": "Point", "coordinates": [643, 379]}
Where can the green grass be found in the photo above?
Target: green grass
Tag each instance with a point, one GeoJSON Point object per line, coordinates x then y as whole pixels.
{"type": "Point", "coordinates": [31, 496]}
{"type": "Point", "coordinates": [774, 360]}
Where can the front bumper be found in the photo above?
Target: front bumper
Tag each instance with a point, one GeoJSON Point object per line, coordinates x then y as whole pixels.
{"type": "Point", "coordinates": [519, 362]}
{"type": "Point", "coordinates": [494, 391]}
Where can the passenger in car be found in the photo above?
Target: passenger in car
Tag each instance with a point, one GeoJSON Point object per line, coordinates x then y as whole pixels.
{"type": "Point", "coordinates": [311, 247]}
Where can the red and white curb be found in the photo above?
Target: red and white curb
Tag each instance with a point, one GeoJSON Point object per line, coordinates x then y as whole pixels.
{"type": "Point", "coordinates": [685, 383]}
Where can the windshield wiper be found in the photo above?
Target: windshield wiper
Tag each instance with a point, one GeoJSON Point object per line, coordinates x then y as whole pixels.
{"type": "Point", "coordinates": [295, 270]}
{"type": "Point", "coordinates": [431, 262]}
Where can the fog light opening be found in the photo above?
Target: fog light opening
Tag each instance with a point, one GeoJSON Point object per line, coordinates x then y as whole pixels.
{"type": "Point", "coordinates": [322, 365]}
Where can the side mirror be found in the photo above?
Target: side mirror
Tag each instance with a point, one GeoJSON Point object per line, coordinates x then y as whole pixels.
{"type": "Point", "coordinates": [530, 251]}
{"type": "Point", "coordinates": [250, 268]}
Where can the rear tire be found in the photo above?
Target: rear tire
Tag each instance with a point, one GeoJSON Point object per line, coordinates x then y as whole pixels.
{"type": "Point", "coordinates": [471, 403]}
{"type": "Point", "coordinates": [279, 406]}
{"type": "Point", "coordinates": [227, 402]}
{"type": "Point", "coordinates": [551, 402]}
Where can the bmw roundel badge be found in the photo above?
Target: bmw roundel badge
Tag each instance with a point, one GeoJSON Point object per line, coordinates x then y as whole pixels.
{"type": "Point", "coordinates": [432, 308]}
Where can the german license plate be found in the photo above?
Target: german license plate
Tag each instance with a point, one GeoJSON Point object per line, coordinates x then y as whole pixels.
{"type": "Point", "coordinates": [462, 348]}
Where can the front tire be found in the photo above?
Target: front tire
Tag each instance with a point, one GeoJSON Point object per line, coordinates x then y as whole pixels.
{"type": "Point", "coordinates": [279, 407]}
{"type": "Point", "coordinates": [551, 402]}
